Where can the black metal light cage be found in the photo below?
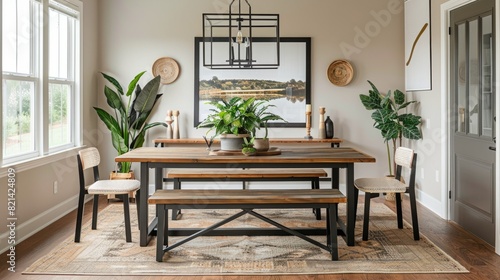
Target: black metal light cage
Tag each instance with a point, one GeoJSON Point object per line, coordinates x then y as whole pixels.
{"type": "Point", "coordinates": [218, 36]}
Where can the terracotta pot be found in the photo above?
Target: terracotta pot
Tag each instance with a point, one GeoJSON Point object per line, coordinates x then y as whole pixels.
{"type": "Point", "coordinates": [261, 144]}
{"type": "Point", "coordinates": [117, 175]}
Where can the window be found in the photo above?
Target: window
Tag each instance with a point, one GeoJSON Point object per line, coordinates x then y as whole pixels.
{"type": "Point", "coordinates": [36, 119]}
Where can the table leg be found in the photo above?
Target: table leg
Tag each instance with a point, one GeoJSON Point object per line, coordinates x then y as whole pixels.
{"type": "Point", "coordinates": [335, 178]}
{"type": "Point", "coordinates": [352, 203]}
{"type": "Point", "coordinates": [158, 181]}
{"type": "Point", "coordinates": [143, 206]}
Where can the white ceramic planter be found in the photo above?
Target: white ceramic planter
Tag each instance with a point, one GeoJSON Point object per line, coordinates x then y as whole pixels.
{"type": "Point", "coordinates": [232, 142]}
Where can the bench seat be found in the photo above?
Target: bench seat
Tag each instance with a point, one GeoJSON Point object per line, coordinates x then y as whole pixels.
{"type": "Point", "coordinates": [243, 174]}
{"type": "Point", "coordinates": [252, 174]}
{"type": "Point", "coordinates": [247, 201]}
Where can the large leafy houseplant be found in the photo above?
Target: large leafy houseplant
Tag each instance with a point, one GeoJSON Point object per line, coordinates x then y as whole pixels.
{"type": "Point", "coordinates": [128, 124]}
{"type": "Point", "coordinates": [238, 117]}
{"type": "Point", "coordinates": [393, 125]}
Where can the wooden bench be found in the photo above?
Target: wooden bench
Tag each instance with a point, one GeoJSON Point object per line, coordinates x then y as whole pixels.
{"type": "Point", "coordinates": [247, 201]}
{"type": "Point", "coordinates": [246, 175]}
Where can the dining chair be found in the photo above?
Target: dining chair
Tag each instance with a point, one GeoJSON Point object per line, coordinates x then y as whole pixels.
{"type": "Point", "coordinates": [373, 187]}
{"type": "Point", "coordinates": [90, 158]}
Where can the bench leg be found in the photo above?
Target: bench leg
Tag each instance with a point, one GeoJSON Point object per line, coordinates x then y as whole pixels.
{"type": "Point", "coordinates": [315, 186]}
{"type": "Point", "coordinates": [161, 237]}
{"type": "Point", "coordinates": [332, 231]}
{"type": "Point", "coordinates": [175, 211]}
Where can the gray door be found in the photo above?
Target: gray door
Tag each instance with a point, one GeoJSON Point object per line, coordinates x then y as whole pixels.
{"type": "Point", "coordinates": [472, 108]}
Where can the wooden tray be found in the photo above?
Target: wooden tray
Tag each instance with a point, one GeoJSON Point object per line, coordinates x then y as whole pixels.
{"type": "Point", "coordinates": [271, 152]}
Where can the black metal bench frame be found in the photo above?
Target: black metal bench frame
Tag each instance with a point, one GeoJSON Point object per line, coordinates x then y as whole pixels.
{"type": "Point", "coordinates": [331, 224]}
{"type": "Point", "coordinates": [314, 186]}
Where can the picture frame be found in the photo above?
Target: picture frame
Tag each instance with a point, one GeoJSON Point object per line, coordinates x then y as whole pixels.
{"type": "Point", "coordinates": [288, 88]}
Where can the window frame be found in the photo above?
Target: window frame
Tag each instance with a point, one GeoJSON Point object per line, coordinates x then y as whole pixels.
{"type": "Point", "coordinates": [40, 75]}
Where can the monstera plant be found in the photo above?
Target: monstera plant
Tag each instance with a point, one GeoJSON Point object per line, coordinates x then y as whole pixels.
{"type": "Point", "coordinates": [131, 110]}
{"type": "Point", "coordinates": [392, 123]}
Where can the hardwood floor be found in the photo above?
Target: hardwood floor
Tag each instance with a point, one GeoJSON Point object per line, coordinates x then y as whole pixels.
{"type": "Point", "coordinates": [475, 255]}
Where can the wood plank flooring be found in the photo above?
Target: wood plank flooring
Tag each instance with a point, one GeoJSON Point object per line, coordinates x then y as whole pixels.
{"type": "Point", "coordinates": [475, 255]}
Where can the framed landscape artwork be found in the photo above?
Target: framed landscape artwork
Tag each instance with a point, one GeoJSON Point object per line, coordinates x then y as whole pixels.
{"type": "Point", "coordinates": [288, 87]}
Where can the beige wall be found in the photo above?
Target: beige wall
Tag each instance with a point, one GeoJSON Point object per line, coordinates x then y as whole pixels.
{"type": "Point", "coordinates": [124, 37]}
{"type": "Point", "coordinates": [136, 33]}
{"type": "Point", "coordinates": [368, 33]}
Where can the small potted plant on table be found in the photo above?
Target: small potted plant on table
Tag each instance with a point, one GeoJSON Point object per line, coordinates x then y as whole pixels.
{"type": "Point", "coordinates": [237, 119]}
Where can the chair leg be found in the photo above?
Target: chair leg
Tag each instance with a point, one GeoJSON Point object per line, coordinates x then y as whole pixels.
{"type": "Point", "coordinates": [414, 218]}
{"type": "Point", "coordinates": [79, 217]}
{"type": "Point", "coordinates": [399, 210]}
{"type": "Point", "coordinates": [126, 213]}
{"type": "Point", "coordinates": [366, 216]}
{"type": "Point", "coordinates": [137, 204]}
{"type": "Point", "coordinates": [95, 208]}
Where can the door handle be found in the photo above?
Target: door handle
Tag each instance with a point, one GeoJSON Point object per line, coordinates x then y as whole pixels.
{"type": "Point", "coordinates": [493, 148]}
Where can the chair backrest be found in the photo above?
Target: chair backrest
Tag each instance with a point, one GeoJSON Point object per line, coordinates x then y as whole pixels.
{"type": "Point", "coordinates": [404, 157]}
{"type": "Point", "coordinates": [89, 157]}
{"type": "Point", "coordinates": [407, 158]}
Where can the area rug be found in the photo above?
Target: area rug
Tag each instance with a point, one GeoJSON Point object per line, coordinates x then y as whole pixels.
{"type": "Point", "coordinates": [105, 252]}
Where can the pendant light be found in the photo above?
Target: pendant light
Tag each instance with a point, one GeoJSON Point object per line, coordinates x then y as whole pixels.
{"type": "Point", "coordinates": [240, 39]}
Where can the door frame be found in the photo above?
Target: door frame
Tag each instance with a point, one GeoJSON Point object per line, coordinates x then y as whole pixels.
{"type": "Point", "coordinates": [445, 109]}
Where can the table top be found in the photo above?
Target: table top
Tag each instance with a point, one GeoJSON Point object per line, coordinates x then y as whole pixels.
{"type": "Point", "coordinates": [271, 140]}
{"type": "Point", "coordinates": [201, 155]}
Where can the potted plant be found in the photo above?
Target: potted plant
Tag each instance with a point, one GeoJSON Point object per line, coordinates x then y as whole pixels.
{"type": "Point", "coordinates": [128, 124]}
{"type": "Point", "coordinates": [263, 116]}
{"type": "Point", "coordinates": [236, 119]}
{"type": "Point", "coordinates": [393, 125]}
{"type": "Point", "coordinates": [248, 147]}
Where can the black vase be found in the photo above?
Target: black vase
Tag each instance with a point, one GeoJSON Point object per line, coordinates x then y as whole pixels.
{"type": "Point", "coordinates": [328, 128]}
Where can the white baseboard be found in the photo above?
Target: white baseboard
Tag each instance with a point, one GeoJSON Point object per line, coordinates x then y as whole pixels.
{"type": "Point", "coordinates": [432, 204]}
{"type": "Point", "coordinates": [39, 222]}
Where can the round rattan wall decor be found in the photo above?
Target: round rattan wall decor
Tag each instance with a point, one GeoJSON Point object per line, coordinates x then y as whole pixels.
{"type": "Point", "coordinates": [167, 68]}
{"type": "Point", "coordinates": [340, 72]}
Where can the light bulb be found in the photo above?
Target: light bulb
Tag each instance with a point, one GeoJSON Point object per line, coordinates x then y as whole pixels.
{"type": "Point", "coordinates": [239, 37]}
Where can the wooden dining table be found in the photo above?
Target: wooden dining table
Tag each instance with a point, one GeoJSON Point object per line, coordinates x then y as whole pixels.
{"type": "Point", "coordinates": [199, 157]}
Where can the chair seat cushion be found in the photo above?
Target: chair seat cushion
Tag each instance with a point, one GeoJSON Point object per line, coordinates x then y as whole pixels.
{"type": "Point", "coordinates": [380, 185]}
{"type": "Point", "coordinates": [113, 186]}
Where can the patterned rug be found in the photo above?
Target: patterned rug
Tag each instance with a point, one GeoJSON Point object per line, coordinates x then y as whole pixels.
{"type": "Point", "coordinates": [105, 252]}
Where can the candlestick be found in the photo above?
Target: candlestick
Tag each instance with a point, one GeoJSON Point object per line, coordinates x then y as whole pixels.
{"type": "Point", "coordinates": [175, 113]}
{"type": "Point", "coordinates": [169, 120]}
{"type": "Point", "coordinates": [321, 126]}
{"type": "Point", "coordinates": [308, 125]}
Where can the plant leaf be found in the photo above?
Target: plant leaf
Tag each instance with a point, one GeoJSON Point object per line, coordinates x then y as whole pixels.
{"type": "Point", "coordinates": [399, 97]}
{"type": "Point", "coordinates": [119, 143]}
{"type": "Point", "coordinates": [113, 99]}
{"type": "Point", "coordinates": [145, 100]}
{"type": "Point", "coordinates": [108, 120]}
{"type": "Point", "coordinates": [114, 82]}
{"type": "Point", "coordinates": [134, 82]}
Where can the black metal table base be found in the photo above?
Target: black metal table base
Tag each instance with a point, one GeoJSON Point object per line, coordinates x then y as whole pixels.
{"type": "Point", "coordinates": [331, 230]}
